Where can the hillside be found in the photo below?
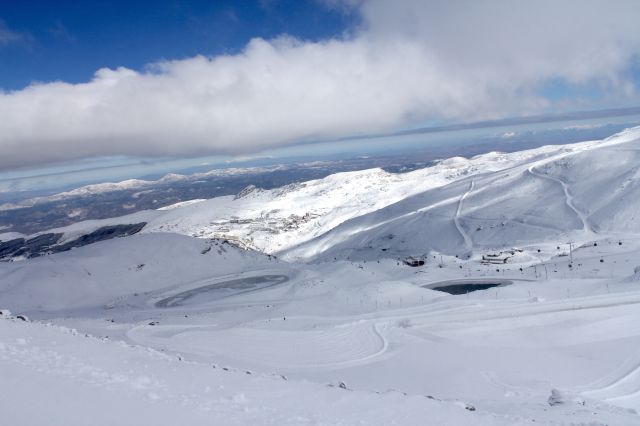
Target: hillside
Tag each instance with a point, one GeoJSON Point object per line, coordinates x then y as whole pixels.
{"type": "Point", "coordinates": [555, 196]}
{"type": "Point", "coordinates": [490, 201]}
{"type": "Point", "coordinates": [500, 289]}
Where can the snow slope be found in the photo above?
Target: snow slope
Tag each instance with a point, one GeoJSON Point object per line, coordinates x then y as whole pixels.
{"type": "Point", "coordinates": [57, 376]}
{"type": "Point", "coordinates": [557, 197]}
{"type": "Point", "coordinates": [493, 200]}
{"type": "Point", "coordinates": [276, 220]}
{"type": "Point", "coordinates": [101, 273]}
{"type": "Point", "coordinates": [199, 331]}
{"type": "Point", "coordinates": [404, 352]}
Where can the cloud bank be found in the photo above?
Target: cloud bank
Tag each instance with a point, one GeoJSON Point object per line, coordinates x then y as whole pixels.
{"type": "Point", "coordinates": [408, 62]}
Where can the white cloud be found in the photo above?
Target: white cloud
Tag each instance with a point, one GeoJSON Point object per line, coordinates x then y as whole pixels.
{"type": "Point", "coordinates": [8, 36]}
{"type": "Point", "coordinates": [408, 62]}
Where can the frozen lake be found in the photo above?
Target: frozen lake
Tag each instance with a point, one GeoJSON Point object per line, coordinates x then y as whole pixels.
{"type": "Point", "coordinates": [467, 286]}
{"type": "Point", "coordinates": [222, 289]}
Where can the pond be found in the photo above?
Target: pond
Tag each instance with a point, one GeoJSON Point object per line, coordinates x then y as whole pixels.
{"type": "Point", "coordinates": [466, 286]}
{"type": "Point", "coordinates": [221, 289]}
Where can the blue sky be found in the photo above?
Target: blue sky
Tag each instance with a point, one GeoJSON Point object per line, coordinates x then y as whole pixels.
{"type": "Point", "coordinates": [69, 40]}
{"type": "Point", "coordinates": [84, 80]}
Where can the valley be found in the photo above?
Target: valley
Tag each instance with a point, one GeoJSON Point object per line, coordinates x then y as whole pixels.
{"type": "Point", "coordinates": [498, 289]}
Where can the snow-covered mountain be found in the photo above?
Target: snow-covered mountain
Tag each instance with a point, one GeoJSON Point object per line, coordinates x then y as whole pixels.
{"type": "Point", "coordinates": [138, 184]}
{"type": "Point", "coordinates": [501, 289]}
{"type": "Point", "coordinates": [573, 192]}
{"type": "Point", "coordinates": [491, 201]}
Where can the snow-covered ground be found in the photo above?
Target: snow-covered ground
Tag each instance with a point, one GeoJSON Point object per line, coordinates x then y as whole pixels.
{"type": "Point", "coordinates": [338, 329]}
{"type": "Point", "coordinates": [488, 201]}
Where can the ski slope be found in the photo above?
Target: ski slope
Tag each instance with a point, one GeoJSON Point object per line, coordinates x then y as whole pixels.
{"type": "Point", "coordinates": [398, 347]}
{"type": "Point", "coordinates": [338, 329]}
{"type": "Point", "coordinates": [516, 198]}
{"type": "Point", "coordinates": [557, 197]}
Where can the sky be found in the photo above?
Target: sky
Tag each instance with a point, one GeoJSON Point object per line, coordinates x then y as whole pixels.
{"type": "Point", "coordinates": [70, 40]}
{"type": "Point", "coordinates": [92, 79]}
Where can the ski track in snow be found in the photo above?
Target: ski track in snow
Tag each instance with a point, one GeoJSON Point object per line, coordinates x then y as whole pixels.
{"type": "Point", "coordinates": [351, 339]}
{"type": "Point", "coordinates": [468, 243]}
{"type": "Point", "coordinates": [338, 346]}
{"type": "Point", "coordinates": [624, 389]}
{"type": "Point", "coordinates": [586, 227]}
